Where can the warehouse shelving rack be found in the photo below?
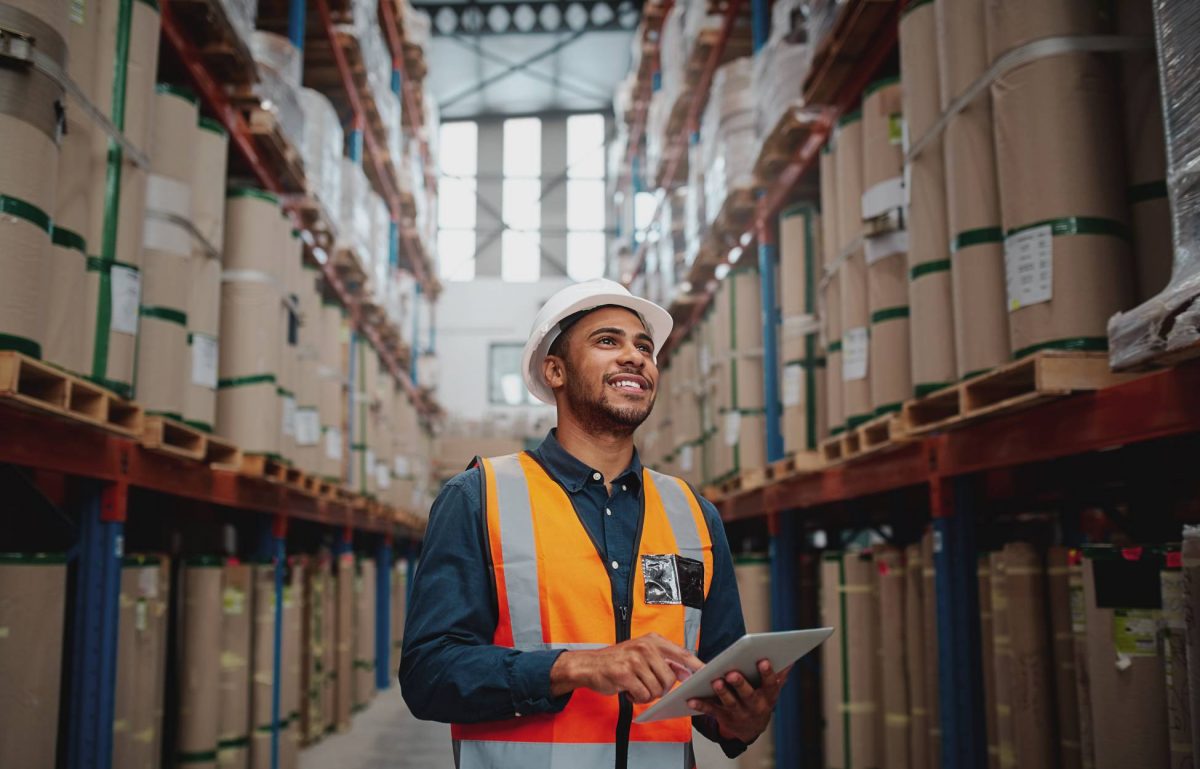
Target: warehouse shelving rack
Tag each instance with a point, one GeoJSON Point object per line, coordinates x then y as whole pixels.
{"type": "Point", "coordinates": [88, 472]}
{"type": "Point", "coordinates": [951, 476]}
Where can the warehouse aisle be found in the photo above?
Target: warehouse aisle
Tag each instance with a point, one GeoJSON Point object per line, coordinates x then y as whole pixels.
{"type": "Point", "coordinates": [384, 736]}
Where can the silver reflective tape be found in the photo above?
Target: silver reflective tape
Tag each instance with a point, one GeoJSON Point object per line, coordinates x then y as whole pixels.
{"type": "Point", "coordinates": [479, 754]}
{"type": "Point", "coordinates": [687, 539]}
{"type": "Point", "coordinates": [691, 627]}
{"type": "Point", "coordinates": [519, 552]}
{"type": "Point", "coordinates": [657, 755]}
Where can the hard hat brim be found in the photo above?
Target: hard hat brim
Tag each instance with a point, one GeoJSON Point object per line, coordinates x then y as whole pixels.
{"type": "Point", "coordinates": [658, 322]}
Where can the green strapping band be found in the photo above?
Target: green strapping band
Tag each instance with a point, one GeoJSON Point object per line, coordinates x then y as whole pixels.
{"type": "Point", "coordinates": [807, 362]}
{"type": "Point", "coordinates": [150, 3]}
{"type": "Point", "coordinates": [23, 209]}
{"type": "Point", "coordinates": [853, 422]}
{"type": "Point", "coordinates": [169, 314]}
{"type": "Point", "coordinates": [850, 117]}
{"type": "Point", "coordinates": [921, 390]}
{"type": "Point", "coordinates": [141, 559]}
{"type": "Point", "coordinates": [834, 431]}
{"type": "Point", "coordinates": [203, 427]}
{"type": "Point", "coordinates": [183, 92]}
{"type": "Point", "coordinates": [234, 742]}
{"type": "Point", "coordinates": [890, 313]}
{"type": "Point", "coordinates": [251, 192]}
{"type": "Point", "coordinates": [1079, 225]}
{"type": "Point", "coordinates": [175, 415]}
{"type": "Point", "coordinates": [61, 236]}
{"type": "Point", "coordinates": [1140, 193]}
{"type": "Point", "coordinates": [882, 82]}
{"type": "Point", "coordinates": [1079, 343]}
{"type": "Point", "coordinates": [888, 408]}
{"type": "Point", "coordinates": [796, 209]}
{"type": "Point", "coordinates": [843, 613]}
{"type": "Point", "coordinates": [213, 126]}
{"type": "Point", "coordinates": [973, 374]}
{"type": "Point", "coordinates": [928, 268]}
{"type": "Point", "coordinates": [834, 346]}
{"type": "Point", "coordinates": [358, 447]}
{"type": "Point", "coordinates": [283, 392]}
{"type": "Point", "coordinates": [245, 381]}
{"type": "Point", "coordinates": [198, 757]}
{"type": "Point", "coordinates": [33, 559]}
{"type": "Point", "coordinates": [21, 344]}
{"type": "Point", "coordinates": [976, 237]}
{"type": "Point", "coordinates": [912, 6]}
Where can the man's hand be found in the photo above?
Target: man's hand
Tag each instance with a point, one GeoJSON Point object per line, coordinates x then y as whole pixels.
{"type": "Point", "coordinates": [741, 711]}
{"type": "Point", "coordinates": [645, 668]}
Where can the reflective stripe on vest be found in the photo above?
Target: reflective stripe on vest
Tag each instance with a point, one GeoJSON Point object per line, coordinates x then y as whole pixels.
{"type": "Point", "coordinates": [554, 591]}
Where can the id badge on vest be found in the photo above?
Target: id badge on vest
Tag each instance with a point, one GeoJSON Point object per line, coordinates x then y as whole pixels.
{"type": "Point", "coordinates": [672, 580]}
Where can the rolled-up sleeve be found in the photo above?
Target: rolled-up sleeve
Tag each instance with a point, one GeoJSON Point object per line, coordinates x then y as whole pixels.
{"type": "Point", "coordinates": [450, 670]}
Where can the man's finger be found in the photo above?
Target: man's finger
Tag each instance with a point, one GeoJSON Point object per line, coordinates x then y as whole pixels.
{"type": "Point", "coordinates": [740, 686]}
{"type": "Point", "coordinates": [724, 694]}
{"type": "Point", "coordinates": [676, 653]}
{"type": "Point", "coordinates": [702, 706]}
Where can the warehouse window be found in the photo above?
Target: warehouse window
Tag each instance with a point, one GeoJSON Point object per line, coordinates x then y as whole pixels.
{"type": "Point", "coordinates": [521, 201]}
{"type": "Point", "coordinates": [585, 197]}
{"type": "Point", "coordinates": [506, 385]}
{"type": "Point", "coordinates": [459, 142]}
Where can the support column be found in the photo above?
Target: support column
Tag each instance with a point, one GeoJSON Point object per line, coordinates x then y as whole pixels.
{"type": "Point", "coordinates": [355, 141]}
{"type": "Point", "coordinates": [296, 22]}
{"type": "Point", "coordinates": [960, 676]}
{"type": "Point", "coordinates": [383, 613]}
{"type": "Point", "coordinates": [101, 507]}
{"type": "Point", "coordinates": [768, 256]}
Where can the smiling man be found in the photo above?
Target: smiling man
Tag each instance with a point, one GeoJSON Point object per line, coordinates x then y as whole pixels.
{"type": "Point", "coordinates": [564, 589]}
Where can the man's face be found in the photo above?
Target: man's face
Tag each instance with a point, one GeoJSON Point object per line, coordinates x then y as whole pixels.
{"type": "Point", "coordinates": [610, 376]}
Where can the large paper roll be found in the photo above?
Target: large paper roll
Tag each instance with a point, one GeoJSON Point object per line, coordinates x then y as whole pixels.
{"type": "Point", "coordinates": [987, 648]}
{"type": "Point", "coordinates": [1058, 572]}
{"type": "Point", "coordinates": [204, 329]}
{"type": "Point", "coordinates": [895, 699]}
{"type": "Point", "coordinates": [862, 661]}
{"type": "Point", "coordinates": [65, 344]}
{"type": "Point", "coordinates": [32, 609]}
{"type": "Point", "coordinates": [914, 655]}
{"type": "Point", "coordinates": [754, 587]}
{"type": "Point", "coordinates": [835, 415]}
{"type": "Point", "coordinates": [200, 661]}
{"type": "Point", "coordinates": [1063, 200]}
{"type": "Point", "coordinates": [262, 665]}
{"type": "Point", "coordinates": [833, 663]}
{"type": "Point", "coordinates": [173, 143]}
{"type": "Point", "coordinates": [883, 154]}
{"type": "Point", "coordinates": [1032, 702]}
{"type": "Point", "coordinates": [890, 363]}
{"type": "Point", "coordinates": [848, 167]}
{"type": "Point", "coordinates": [1002, 649]}
{"type": "Point", "coordinates": [856, 382]}
{"type": "Point", "coordinates": [932, 672]}
{"type": "Point", "coordinates": [141, 660]}
{"type": "Point", "coordinates": [237, 614]}
{"type": "Point", "coordinates": [972, 195]}
{"type": "Point", "coordinates": [163, 366]}
{"type": "Point", "coordinates": [209, 158]}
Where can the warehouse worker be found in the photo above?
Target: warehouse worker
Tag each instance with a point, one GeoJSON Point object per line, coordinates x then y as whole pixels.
{"type": "Point", "coordinates": [533, 629]}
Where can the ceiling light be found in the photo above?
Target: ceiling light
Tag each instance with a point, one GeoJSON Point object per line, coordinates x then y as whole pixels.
{"type": "Point", "coordinates": [735, 253]}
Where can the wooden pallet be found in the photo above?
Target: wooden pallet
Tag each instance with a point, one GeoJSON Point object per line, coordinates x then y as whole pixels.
{"type": "Point", "coordinates": [796, 464]}
{"type": "Point", "coordinates": [736, 212]}
{"type": "Point", "coordinates": [226, 56]}
{"type": "Point", "coordinates": [264, 466]}
{"type": "Point", "coordinates": [220, 454]}
{"type": "Point", "coordinates": [880, 434]}
{"type": "Point", "coordinates": [1040, 377]}
{"type": "Point", "coordinates": [832, 450]}
{"type": "Point", "coordinates": [275, 148]}
{"type": "Point", "coordinates": [839, 53]}
{"type": "Point", "coordinates": [746, 480]}
{"type": "Point", "coordinates": [37, 386]}
{"type": "Point", "coordinates": [781, 144]}
{"type": "Point", "coordinates": [174, 438]}
{"type": "Point", "coordinates": [349, 269]}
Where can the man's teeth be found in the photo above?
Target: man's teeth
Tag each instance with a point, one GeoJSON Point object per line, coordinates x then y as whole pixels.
{"type": "Point", "coordinates": [628, 384]}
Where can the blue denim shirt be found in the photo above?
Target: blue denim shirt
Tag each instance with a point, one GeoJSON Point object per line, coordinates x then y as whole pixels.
{"type": "Point", "coordinates": [450, 671]}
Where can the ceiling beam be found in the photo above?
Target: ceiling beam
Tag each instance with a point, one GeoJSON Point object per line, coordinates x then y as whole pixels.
{"type": "Point", "coordinates": [521, 17]}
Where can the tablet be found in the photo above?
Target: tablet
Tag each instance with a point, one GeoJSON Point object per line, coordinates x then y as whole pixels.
{"type": "Point", "coordinates": [782, 649]}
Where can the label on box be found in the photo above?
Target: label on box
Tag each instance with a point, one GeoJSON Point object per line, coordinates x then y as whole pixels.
{"type": "Point", "coordinates": [896, 128]}
{"type": "Point", "coordinates": [793, 385]}
{"type": "Point", "coordinates": [383, 476]}
{"type": "Point", "coordinates": [685, 459]}
{"type": "Point", "coordinates": [1135, 632]}
{"type": "Point", "coordinates": [140, 613]}
{"type": "Point", "coordinates": [400, 466]}
{"type": "Point", "coordinates": [78, 11]}
{"type": "Point", "coordinates": [204, 360]}
{"type": "Point", "coordinates": [733, 427]}
{"type": "Point", "coordinates": [233, 601]}
{"type": "Point", "coordinates": [289, 416]}
{"type": "Point", "coordinates": [1029, 267]}
{"type": "Point", "coordinates": [126, 296]}
{"type": "Point", "coordinates": [148, 582]}
{"type": "Point", "coordinates": [705, 359]}
{"type": "Point", "coordinates": [333, 444]}
{"type": "Point", "coordinates": [855, 351]}
{"type": "Point", "coordinates": [308, 426]}
{"type": "Point", "coordinates": [880, 247]}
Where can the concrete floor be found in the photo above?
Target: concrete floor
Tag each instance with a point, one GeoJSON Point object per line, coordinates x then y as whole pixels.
{"type": "Point", "coordinates": [386, 736]}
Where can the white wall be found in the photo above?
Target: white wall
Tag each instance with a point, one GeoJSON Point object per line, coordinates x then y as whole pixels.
{"type": "Point", "coordinates": [470, 317]}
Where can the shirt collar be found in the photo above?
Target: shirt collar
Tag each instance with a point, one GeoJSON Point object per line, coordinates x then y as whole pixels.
{"type": "Point", "coordinates": [573, 474]}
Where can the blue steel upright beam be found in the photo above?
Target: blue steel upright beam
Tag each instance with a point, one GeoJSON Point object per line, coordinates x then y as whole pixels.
{"type": "Point", "coordinates": [355, 142]}
{"type": "Point", "coordinates": [296, 21]}
{"type": "Point", "coordinates": [760, 22]}
{"type": "Point", "coordinates": [94, 649]}
{"type": "Point", "coordinates": [960, 684]}
{"type": "Point", "coordinates": [383, 613]}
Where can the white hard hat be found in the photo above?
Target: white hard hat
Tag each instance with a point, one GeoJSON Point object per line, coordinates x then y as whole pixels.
{"type": "Point", "coordinates": [578, 297]}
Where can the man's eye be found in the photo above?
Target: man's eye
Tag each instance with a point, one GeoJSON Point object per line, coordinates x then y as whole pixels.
{"type": "Point", "coordinates": [606, 340]}
{"type": "Point", "coordinates": [644, 348]}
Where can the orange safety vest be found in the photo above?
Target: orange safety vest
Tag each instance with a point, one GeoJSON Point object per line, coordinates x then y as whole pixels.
{"type": "Point", "coordinates": [553, 591]}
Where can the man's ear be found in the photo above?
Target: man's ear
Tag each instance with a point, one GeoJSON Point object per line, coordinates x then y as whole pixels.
{"type": "Point", "coordinates": [554, 371]}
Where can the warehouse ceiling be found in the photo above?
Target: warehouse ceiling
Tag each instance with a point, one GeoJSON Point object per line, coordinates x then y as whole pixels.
{"type": "Point", "coordinates": [519, 58]}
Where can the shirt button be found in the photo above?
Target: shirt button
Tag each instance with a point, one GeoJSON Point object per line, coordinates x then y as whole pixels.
{"type": "Point", "coordinates": [616, 565]}
{"type": "Point", "coordinates": [597, 477]}
{"type": "Point", "coordinates": [607, 511]}
{"type": "Point", "coordinates": [623, 488]}
{"type": "Point", "coordinates": [518, 714]}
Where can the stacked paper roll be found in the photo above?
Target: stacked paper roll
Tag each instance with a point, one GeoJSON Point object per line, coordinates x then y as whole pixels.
{"type": "Point", "coordinates": [856, 386]}
{"type": "Point", "coordinates": [141, 660]}
{"type": "Point", "coordinates": [987, 653]}
{"type": "Point", "coordinates": [929, 283]}
{"type": "Point", "coordinates": [1058, 571]}
{"type": "Point", "coordinates": [1003, 661]}
{"type": "Point", "coordinates": [895, 694]}
{"type": "Point", "coordinates": [162, 373]}
{"type": "Point", "coordinates": [237, 614]}
{"type": "Point", "coordinates": [289, 684]}
{"type": "Point", "coordinates": [753, 574]}
{"type": "Point", "coordinates": [1145, 153]}
{"type": "Point", "coordinates": [833, 663]}
{"type": "Point", "coordinates": [262, 665]}
{"type": "Point", "coordinates": [200, 588]}
{"type": "Point", "coordinates": [861, 703]}
{"type": "Point", "coordinates": [248, 410]}
{"type": "Point", "coordinates": [204, 289]}
{"type": "Point", "coordinates": [737, 347]}
{"type": "Point", "coordinates": [332, 383]}
{"type": "Point", "coordinates": [1032, 701]}
{"type": "Point", "coordinates": [1063, 202]}
{"type": "Point", "coordinates": [802, 367]}
{"type": "Point", "coordinates": [289, 352]}
{"type": "Point", "coordinates": [344, 662]}
{"type": "Point", "coordinates": [28, 176]}
{"type": "Point", "coordinates": [360, 459]}
{"type": "Point", "coordinates": [364, 634]}
{"type": "Point", "coordinates": [972, 194]}
{"type": "Point", "coordinates": [932, 660]}
{"type": "Point", "coordinates": [831, 294]}
{"type": "Point", "coordinates": [914, 650]}
{"type": "Point", "coordinates": [308, 386]}
{"type": "Point", "coordinates": [33, 590]}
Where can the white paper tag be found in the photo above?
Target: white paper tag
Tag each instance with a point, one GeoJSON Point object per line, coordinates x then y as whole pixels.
{"type": "Point", "coordinates": [140, 615]}
{"type": "Point", "coordinates": [793, 385]}
{"type": "Point", "coordinates": [400, 466]}
{"type": "Point", "coordinates": [333, 444]}
{"type": "Point", "coordinates": [308, 426]}
{"type": "Point", "coordinates": [882, 246]}
{"type": "Point", "coordinates": [383, 476]}
{"type": "Point", "coordinates": [685, 459]}
{"type": "Point", "coordinates": [883, 197]}
{"type": "Point", "coordinates": [854, 354]}
{"type": "Point", "coordinates": [370, 461]}
{"type": "Point", "coordinates": [233, 601]}
{"type": "Point", "coordinates": [148, 582]}
{"type": "Point", "coordinates": [705, 359]}
{"type": "Point", "coordinates": [126, 297]}
{"type": "Point", "coordinates": [799, 326]}
{"type": "Point", "coordinates": [289, 416]}
{"type": "Point", "coordinates": [204, 360]}
{"type": "Point", "coordinates": [1029, 267]}
{"type": "Point", "coordinates": [733, 427]}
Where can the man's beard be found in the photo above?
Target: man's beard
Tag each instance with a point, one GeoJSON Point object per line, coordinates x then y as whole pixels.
{"type": "Point", "coordinates": [599, 415]}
